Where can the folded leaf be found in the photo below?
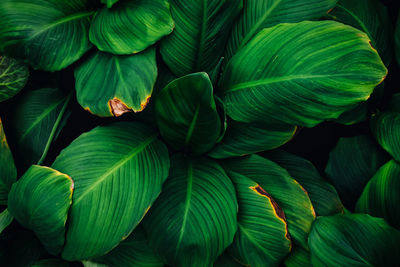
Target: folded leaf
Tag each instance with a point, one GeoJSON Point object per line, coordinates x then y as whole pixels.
{"type": "Point", "coordinates": [40, 201]}
{"type": "Point", "coordinates": [286, 191]}
{"type": "Point", "coordinates": [248, 138]}
{"type": "Point", "coordinates": [323, 195]}
{"type": "Point", "coordinates": [110, 85]}
{"type": "Point", "coordinates": [386, 129]}
{"type": "Point", "coordinates": [130, 26]}
{"type": "Point", "coordinates": [260, 14]}
{"type": "Point", "coordinates": [186, 114]}
{"type": "Point", "coordinates": [194, 219]}
{"type": "Point", "coordinates": [352, 163]}
{"type": "Point", "coordinates": [13, 77]}
{"type": "Point", "coordinates": [371, 17]}
{"type": "Point", "coordinates": [200, 34]}
{"type": "Point", "coordinates": [262, 238]}
{"type": "Point", "coordinates": [48, 34]}
{"type": "Point", "coordinates": [353, 240]}
{"type": "Point", "coordinates": [381, 195]}
{"type": "Point", "coordinates": [8, 174]}
{"type": "Point", "coordinates": [118, 172]}
{"type": "Point", "coordinates": [301, 74]}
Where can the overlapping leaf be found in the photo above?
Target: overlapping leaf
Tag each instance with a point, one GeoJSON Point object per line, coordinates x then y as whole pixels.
{"type": "Point", "coordinates": [381, 196]}
{"type": "Point", "coordinates": [130, 26]}
{"type": "Point", "coordinates": [301, 74]}
{"type": "Point", "coordinates": [353, 240]}
{"type": "Point", "coordinates": [110, 85]}
{"type": "Point", "coordinates": [8, 173]}
{"type": "Point", "coordinates": [187, 115]}
{"type": "Point", "coordinates": [262, 238]}
{"type": "Point", "coordinates": [260, 14]}
{"type": "Point", "coordinates": [118, 171]}
{"type": "Point", "coordinates": [40, 201]}
{"type": "Point", "coordinates": [5, 219]}
{"type": "Point", "coordinates": [194, 219]}
{"type": "Point", "coordinates": [13, 77]}
{"type": "Point", "coordinates": [286, 191]}
{"type": "Point", "coordinates": [48, 34]}
{"type": "Point", "coordinates": [298, 257]}
{"type": "Point", "coordinates": [201, 30]}
{"type": "Point", "coordinates": [386, 129]}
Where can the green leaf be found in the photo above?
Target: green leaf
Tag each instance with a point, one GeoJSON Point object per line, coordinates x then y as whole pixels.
{"type": "Point", "coordinates": [386, 129]}
{"type": "Point", "coordinates": [132, 252]}
{"type": "Point", "coordinates": [355, 115]}
{"type": "Point", "coordinates": [40, 201]}
{"type": "Point", "coordinates": [248, 138]}
{"type": "Point", "coordinates": [262, 238]}
{"type": "Point", "coordinates": [13, 77]}
{"type": "Point", "coordinates": [286, 191]}
{"type": "Point", "coordinates": [353, 240]}
{"type": "Point", "coordinates": [130, 26]}
{"type": "Point", "coordinates": [298, 257]}
{"type": "Point", "coordinates": [194, 219]}
{"type": "Point", "coordinates": [48, 34]}
{"type": "Point", "coordinates": [5, 219]}
{"type": "Point", "coordinates": [109, 85]}
{"type": "Point", "coordinates": [35, 119]}
{"type": "Point", "coordinates": [8, 173]}
{"type": "Point", "coordinates": [109, 3]}
{"type": "Point", "coordinates": [201, 31]}
{"type": "Point", "coordinates": [118, 171]}
{"type": "Point", "coordinates": [186, 114]}
{"type": "Point", "coordinates": [296, 61]}
{"type": "Point", "coordinates": [381, 195]}
{"type": "Point", "coordinates": [351, 164]}
{"type": "Point", "coordinates": [260, 14]}
{"type": "Point", "coordinates": [323, 195]}
{"type": "Point", "coordinates": [371, 17]}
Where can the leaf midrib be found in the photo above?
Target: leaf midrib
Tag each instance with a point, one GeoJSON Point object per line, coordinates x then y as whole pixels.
{"type": "Point", "coordinates": [134, 152]}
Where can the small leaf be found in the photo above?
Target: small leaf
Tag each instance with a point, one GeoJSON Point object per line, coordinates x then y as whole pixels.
{"type": "Point", "coordinates": [386, 129]}
{"type": "Point", "coordinates": [130, 26]}
{"type": "Point", "coordinates": [194, 219]}
{"type": "Point", "coordinates": [13, 77]}
{"type": "Point", "coordinates": [109, 85]}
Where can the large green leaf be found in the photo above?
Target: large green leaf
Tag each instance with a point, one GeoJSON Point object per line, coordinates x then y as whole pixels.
{"type": "Point", "coordinates": [301, 74]}
{"type": "Point", "coordinates": [323, 195]}
{"type": "Point", "coordinates": [262, 238]}
{"type": "Point", "coordinates": [286, 191]}
{"type": "Point", "coordinates": [386, 129]}
{"type": "Point", "coordinates": [248, 138]}
{"type": "Point", "coordinates": [201, 30]}
{"type": "Point", "coordinates": [118, 171]}
{"type": "Point", "coordinates": [13, 77]}
{"type": "Point", "coordinates": [194, 219]}
{"type": "Point", "coordinates": [371, 17]}
{"type": "Point", "coordinates": [187, 115]}
{"type": "Point", "coordinates": [35, 119]}
{"type": "Point", "coordinates": [298, 257]}
{"type": "Point", "coordinates": [260, 14]}
{"type": "Point", "coordinates": [351, 164]}
{"type": "Point", "coordinates": [353, 240]}
{"type": "Point", "coordinates": [110, 85]}
{"type": "Point", "coordinates": [40, 201]}
{"type": "Point", "coordinates": [8, 174]}
{"type": "Point", "coordinates": [381, 196]}
{"type": "Point", "coordinates": [130, 26]}
{"type": "Point", "coordinates": [5, 219]}
{"type": "Point", "coordinates": [48, 34]}
{"type": "Point", "coordinates": [132, 252]}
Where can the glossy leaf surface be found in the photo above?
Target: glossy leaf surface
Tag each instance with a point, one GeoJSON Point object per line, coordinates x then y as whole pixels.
{"type": "Point", "coordinates": [194, 219]}
{"type": "Point", "coordinates": [336, 71]}
{"type": "Point", "coordinates": [110, 85]}
{"type": "Point", "coordinates": [187, 115]}
{"type": "Point", "coordinates": [130, 26]}
{"type": "Point", "coordinates": [199, 37]}
{"type": "Point", "coordinates": [118, 171]}
{"type": "Point", "coordinates": [13, 77]}
{"type": "Point", "coordinates": [48, 34]}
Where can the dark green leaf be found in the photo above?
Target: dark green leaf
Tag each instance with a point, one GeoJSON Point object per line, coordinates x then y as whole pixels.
{"type": "Point", "coordinates": [109, 85]}
{"type": "Point", "coordinates": [298, 257]}
{"type": "Point", "coordinates": [194, 219]}
{"type": "Point", "coordinates": [130, 26]}
{"type": "Point", "coordinates": [301, 74]}
{"type": "Point", "coordinates": [386, 129]}
{"type": "Point", "coordinates": [13, 77]}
